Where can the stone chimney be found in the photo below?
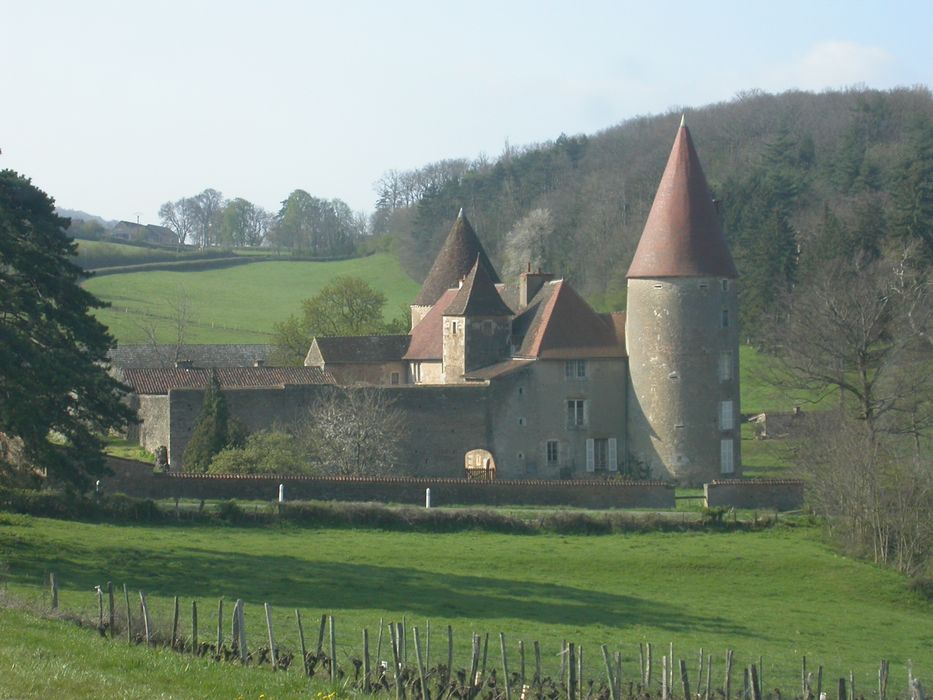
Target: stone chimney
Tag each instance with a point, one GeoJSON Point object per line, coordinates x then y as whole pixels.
{"type": "Point", "coordinates": [530, 283]}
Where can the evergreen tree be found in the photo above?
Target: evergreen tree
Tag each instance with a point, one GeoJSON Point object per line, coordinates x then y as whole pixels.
{"type": "Point", "coordinates": [214, 431]}
{"type": "Point", "coordinates": [55, 393]}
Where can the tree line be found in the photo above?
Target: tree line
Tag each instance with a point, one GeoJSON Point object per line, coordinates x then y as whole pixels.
{"type": "Point", "coordinates": [304, 224]}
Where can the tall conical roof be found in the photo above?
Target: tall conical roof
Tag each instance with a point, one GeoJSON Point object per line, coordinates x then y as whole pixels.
{"type": "Point", "coordinates": [478, 296]}
{"type": "Point", "coordinates": [682, 237]}
{"type": "Point", "coordinates": [454, 262]}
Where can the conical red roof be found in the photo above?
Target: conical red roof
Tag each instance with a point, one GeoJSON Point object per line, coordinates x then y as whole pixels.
{"type": "Point", "coordinates": [682, 237]}
{"type": "Point", "coordinates": [453, 262]}
{"type": "Point", "coordinates": [478, 296]}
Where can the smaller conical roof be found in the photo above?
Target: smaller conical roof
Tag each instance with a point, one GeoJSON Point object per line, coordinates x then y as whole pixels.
{"type": "Point", "coordinates": [478, 296]}
{"type": "Point", "coordinates": [453, 262]}
{"type": "Point", "coordinates": [683, 237]}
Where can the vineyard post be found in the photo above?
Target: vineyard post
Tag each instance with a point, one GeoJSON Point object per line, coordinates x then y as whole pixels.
{"type": "Point", "coordinates": [320, 636]}
{"type": "Point", "coordinates": [474, 665]}
{"type": "Point", "coordinates": [272, 655]}
{"type": "Point", "coordinates": [756, 683]}
{"type": "Point", "coordinates": [521, 663]}
{"type": "Point", "coordinates": [641, 664]}
{"type": "Point", "coordinates": [537, 663]}
{"type": "Point", "coordinates": [746, 684]}
{"type": "Point", "coordinates": [618, 659]}
{"type": "Point", "coordinates": [425, 692]}
{"type": "Point", "coordinates": [819, 682]}
{"type": "Point", "coordinates": [852, 683]}
{"type": "Point", "coordinates": [147, 630]}
{"type": "Point", "coordinates": [700, 670]}
{"type": "Point", "coordinates": [53, 584]}
{"type": "Point", "coordinates": [563, 661]}
{"type": "Point", "coordinates": [110, 608]}
{"type": "Point", "coordinates": [647, 665]}
{"type": "Point", "coordinates": [379, 643]}
{"type": "Point", "coordinates": [220, 625]}
{"type": "Point", "coordinates": [100, 607]}
{"type": "Point", "coordinates": [129, 619]}
{"type": "Point", "coordinates": [194, 627]}
{"type": "Point", "coordinates": [505, 668]}
{"type": "Point", "coordinates": [427, 643]}
{"type": "Point", "coordinates": [485, 653]}
{"type": "Point", "coordinates": [670, 667]}
{"type": "Point", "coordinates": [610, 678]}
{"type": "Point", "coordinates": [684, 681]}
{"type": "Point", "coordinates": [571, 672]}
{"type": "Point", "coordinates": [580, 670]}
{"type": "Point", "coordinates": [728, 680]}
{"type": "Point", "coordinates": [241, 629]}
{"type": "Point", "coordinates": [175, 624]}
{"type": "Point", "coordinates": [761, 674]}
{"type": "Point", "coordinates": [366, 666]}
{"type": "Point", "coordinates": [883, 680]}
{"type": "Point", "coordinates": [450, 653]}
{"type": "Point", "coordinates": [665, 691]}
{"type": "Point", "coordinates": [709, 677]}
{"type": "Point", "coordinates": [803, 677]}
{"type": "Point", "coordinates": [301, 640]}
{"type": "Point", "coordinates": [333, 649]}
{"type": "Point", "coordinates": [396, 661]}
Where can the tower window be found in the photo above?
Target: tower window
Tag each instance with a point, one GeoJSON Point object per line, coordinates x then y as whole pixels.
{"type": "Point", "coordinates": [726, 419]}
{"type": "Point", "coordinates": [725, 318]}
{"type": "Point", "coordinates": [394, 378]}
{"type": "Point", "coordinates": [725, 366]}
{"type": "Point", "coordinates": [726, 463]}
{"type": "Point", "coordinates": [521, 421]}
{"type": "Point", "coordinates": [725, 285]}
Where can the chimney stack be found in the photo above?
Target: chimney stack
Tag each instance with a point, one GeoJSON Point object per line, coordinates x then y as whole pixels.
{"type": "Point", "coordinates": [529, 284]}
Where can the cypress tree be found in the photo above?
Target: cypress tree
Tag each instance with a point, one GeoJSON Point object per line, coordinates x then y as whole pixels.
{"type": "Point", "coordinates": [211, 432]}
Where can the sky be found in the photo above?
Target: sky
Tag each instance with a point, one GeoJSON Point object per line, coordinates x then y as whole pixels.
{"type": "Point", "coordinates": [116, 107]}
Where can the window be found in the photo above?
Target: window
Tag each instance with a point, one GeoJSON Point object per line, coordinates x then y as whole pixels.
{"type": "Point", "coordinates": [453, 327]}
{"type": "Point", "coordinates": [521, 421]}
{"type": "Point", "coordinates": [553, 452]}
{"type": "Point", "coordinates": [725, 318]}
{"type": "Point", "coordinates": [394, 378]}
{"type": "Point", "coordinates": [416, 372]}
{"type": "Point", "coordinates": [726, 421]}
{"type": "Point", "coordinates": [576, 413]}
{"type": "Point", "coordinates": [725, 366]}
{"type": "Point", "coordinates": [601, 454]}
{"type": "Point", "coordinates": [575, 369]}
{"type": "Point", "coordinates": [725, 457]}
{"type": "Point", "coordinates": [725, 285]}
{"type": "Point", "coordinates": [704, 285]}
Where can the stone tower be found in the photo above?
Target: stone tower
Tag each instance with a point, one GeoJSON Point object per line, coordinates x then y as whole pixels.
{"type": "Point", "coordinates": [681, 332]}
{"type": "Point", "coordinates": [477, 324]}
{"type": "Point", "coordinates": [451, 265]}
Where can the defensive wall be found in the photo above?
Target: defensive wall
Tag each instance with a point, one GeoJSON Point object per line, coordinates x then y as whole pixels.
{"type": "Point", "coordinates": [137, 479]}
{"type": "Point", "coordinates": [771, 494]}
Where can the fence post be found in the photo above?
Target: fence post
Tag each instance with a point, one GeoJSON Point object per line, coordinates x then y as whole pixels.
{"type": "Point", "coordinates": [110, 608]}
{"type": "Point", "coordinates": [301, 639]}
{"type": "Point", "coordinates": [275, 663]}
{"type": "Point", "coordinates": [427, 498]}
{"type": "Point", "coordinates": [53, 584]}
{"type": "Point", "coordinates": [129, 617]}
{"type": "Point", "coordinates": [505, 667]}
{"type": "Point", "coordinates": [194, 627]}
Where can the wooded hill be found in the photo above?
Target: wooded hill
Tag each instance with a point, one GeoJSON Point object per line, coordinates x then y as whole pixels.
{"type": "Point", "coordinates": [798, 177]}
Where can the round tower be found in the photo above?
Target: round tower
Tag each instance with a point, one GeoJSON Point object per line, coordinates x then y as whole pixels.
{"type": "Point", "coordinates": [681, 332]}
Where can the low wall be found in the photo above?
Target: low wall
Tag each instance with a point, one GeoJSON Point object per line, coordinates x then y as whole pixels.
{"type": "Point", "coordinates": [142, 483]}
{"type": "Point", "coordinates": [771, 494]}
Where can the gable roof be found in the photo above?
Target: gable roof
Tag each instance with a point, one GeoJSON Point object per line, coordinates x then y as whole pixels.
{"type": "Point", "coordinates": [453, 262]}
{"type": "Point", "coordinates": [362, 349]}
{"type": "Point", "coordinates": [683, 237]}
{"type": "Point", "coordinates": [161, 380]}
{"type": "Point", "coordinates": [125, 356]}
{"type": "Point", "coordinates": [478, 296]}
{"type": "Point", "coordinates": [427, 338]}
{"type": "Point", "coordinates": [559, 324]}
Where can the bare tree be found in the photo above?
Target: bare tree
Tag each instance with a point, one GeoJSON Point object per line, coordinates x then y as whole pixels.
{"type": "Point", "coordinates": [180, 318]}
{"type": "Point", "coordinates": [525, 243]}
{"type": "Point", "coordinates": [179, 217]}
{"type": "Point", "coordinates": [356, 431]}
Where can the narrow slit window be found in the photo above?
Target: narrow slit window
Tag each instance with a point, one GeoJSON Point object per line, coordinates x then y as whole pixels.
{"type": "Point", "coordinates": [725, 318]}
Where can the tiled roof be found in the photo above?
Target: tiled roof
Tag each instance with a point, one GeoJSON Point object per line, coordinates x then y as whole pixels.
{"type": "Point", "coordinates": [159, 381]}
{"type": "Point", "coordinates": [427, 338]}
{"type": "Point", "coordinates": [362, 349]}
{"type": "Point", "coordinates": [559, 324]}
{"type": "Point", "coordinates": [453, 262]}
{"type": "Point", "coordinates": [683, 237]}
{"type": "Point", "coordinates": [152, 356]}
{"type": "Point", "coordinates": [500, 369]}
{"type": "Point", "coordinates": [477, 296]}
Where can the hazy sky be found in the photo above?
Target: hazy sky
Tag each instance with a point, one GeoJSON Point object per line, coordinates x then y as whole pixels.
{"type": "Point", "coordinates": [116, 107]}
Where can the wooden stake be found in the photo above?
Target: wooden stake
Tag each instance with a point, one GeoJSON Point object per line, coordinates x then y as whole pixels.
{"type": "Point", "coordinates": [427, 644]}
{"type": "Point", "coordinates": [129, 619]}
{"type": "Point", "coordinates": [425, 691]}
{"type": "Point", "coordinates": [241, 631]}
{"type": "Point", "coordinates": [728, 674]}
{"type": "Point", "coordinates": [145, 612]}
{"type": "Point", "coordinates": [450, 654]}
{"type": "Point", "coordinates": [100, 607]}
{"type": "Point", "coordinates": [618, 659]}
{"type": "Point", "coordinates": [320, 636]}
{"type": "Point", "coordinates": [194, 627]}
{"type": "Point", "coordinates": [580, 670]}
{"type": "Point", "coordinates": [670, 669]}
{"type": "Point", "coordinates": [756, 683]}
{"type": "Point", "coordinates": [665, 690]}
{"type": "Point", "coordinates": [379, 644]}
{"type": "Point", "coordinates": [505, 667]}
{"type": "Point", "coordinates": [709, 678]}
{"type": "Point", "coordinates": [647, 665]}
{"type": "Point", "coordinates": [220, 625]}
{"type": "Point", "coordinates": [473, 680]}
{"type": "Point", "coordinates": [684, 681]}
{"type": "Point", "coordinates": [53, 584]}
{"type": "Point", "coordinates": [175, 624]}
{"type": "Point", "coordinates": [563, 660]}
{"type": "Point", "coordinates": [537, 679]}
{"type": "Point", "coordinates": [641, 665]}
{"type": "Point", "coordinates": [572, 672]}
{"type": "Point", "coordinates": [367, 688]}
{"type": "Point", "coordinates": [803, 678]}
{"type": "Point", "coordinates": [301, 640]}
{"type": "Point", "coordinates": [521, 663]}
{"type": "Point", "coordinates": [883, 680]}
{"type": "Point", "coordinates": [852, 684]}
{"type": "Point", "coordinates": [333, 649]}
{"type": "Point", "coordinates": [842, 689]}
{"type": "Point", "coordinates": [485, 652]}
{"type": "Point", "coordinates": [610, 676]}
{"type": "Point", "coordinates": [700, 671]}
{"type": "Point", "coordinates": [819, 682]}
{"type": "Point", "coordinates": [272, 655]}
{"type": "Point", "coordinates": [111, 608]}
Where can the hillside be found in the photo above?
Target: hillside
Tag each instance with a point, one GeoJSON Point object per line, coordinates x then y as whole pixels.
{"type": "Point", "coordinates": [232, 305]}
{"type": "Point", "coordinates": [782, 167]}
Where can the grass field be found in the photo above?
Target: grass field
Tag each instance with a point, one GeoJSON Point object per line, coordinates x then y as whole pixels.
{"type": "Point", "coordinates": [238, 304]}
{"type": "Point", "coordinates": [778, 593]}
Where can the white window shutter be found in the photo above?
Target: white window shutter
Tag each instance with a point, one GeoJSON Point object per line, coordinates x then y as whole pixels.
{"type": "Point", "coordinates": [725, 454]}
{"type": "Point", "coordinates": [591, 455]}
{"type": "Point", "coordinates": [586, 413]}
{"type": "Point", "coordinates": [725, 415]}
{"type": "Point", "coordinates": [613, 455]}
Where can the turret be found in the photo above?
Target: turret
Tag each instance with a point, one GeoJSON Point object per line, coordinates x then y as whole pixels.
{"type": "Point", "coordinates": [681, 332]}
{"type": "Point", "coordinates": [452, 264]}
{"type": "Point", "coordinates": [477, 324]}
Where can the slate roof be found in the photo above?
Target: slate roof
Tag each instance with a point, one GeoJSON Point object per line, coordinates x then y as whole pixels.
{"type": "Point", "coordinates": [500, 369]}
{"type": "Point", "coordinates": [161, 380]}
{"type": "Point", "coordinates": [559, 324]}
{"type": "Point", "coordinates": [683, 237]}
{"type": "Point", "coordinates": [152, 356]}
{"type": "Point", "coordinates": [362, 349]}
{"type": "Point", "coordinates": [427, 338]}
{"type": "Point", "coordinates": [453, 262]}
{"type": "Point", "coordinates": [478, 296]}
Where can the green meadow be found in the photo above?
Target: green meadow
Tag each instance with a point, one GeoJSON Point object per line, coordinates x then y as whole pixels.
{"type": "Point", "coordinates": [779, 593]}
{"type": "Point", "coordinates": [237, 304]}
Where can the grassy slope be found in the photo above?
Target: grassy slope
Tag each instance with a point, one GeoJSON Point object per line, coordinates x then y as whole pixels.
{"type": "Point", "coordinates": [778, 593]}
{"type": "Point", "coordinates": [235, 305]}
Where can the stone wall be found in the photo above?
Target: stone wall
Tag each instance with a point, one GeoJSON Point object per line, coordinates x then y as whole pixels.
{"type": "Point", "coordinates": [773, 494]}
